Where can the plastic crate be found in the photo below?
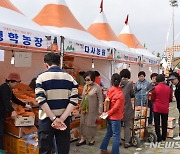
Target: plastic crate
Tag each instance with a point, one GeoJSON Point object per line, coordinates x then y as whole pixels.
{"type": "Point", "coordinates": [24, 148]}
{"type": "Point", "coordinates": [10, 144]}
{"type": "Point", "coordinates": [14, 145]}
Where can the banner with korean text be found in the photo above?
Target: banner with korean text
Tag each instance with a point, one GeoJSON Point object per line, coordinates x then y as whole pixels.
{"type": "Point", "coordinates": [82, 48]}
{"type": "Point", "coordinates": [12, 36]}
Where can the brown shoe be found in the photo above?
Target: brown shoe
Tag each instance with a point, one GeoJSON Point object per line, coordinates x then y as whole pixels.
{"type": "Point", "coordinates": [105, 152]}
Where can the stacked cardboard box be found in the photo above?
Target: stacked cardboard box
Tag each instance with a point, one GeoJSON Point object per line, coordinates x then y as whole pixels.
{"type": "Point", "coordinates": [74, 129]}
{"type": "Point", "coordinates": [18, 131]}
{"type": "Point", "coordinates": [171, 126]}
{"type": "Point", "coordinates": [141, 111]}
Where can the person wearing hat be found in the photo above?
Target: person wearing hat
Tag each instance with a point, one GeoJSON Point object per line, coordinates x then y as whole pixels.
{"type": "Point", "coordinates": [175, 78]}
{"type": "Point", "coordinates": [6, 96]}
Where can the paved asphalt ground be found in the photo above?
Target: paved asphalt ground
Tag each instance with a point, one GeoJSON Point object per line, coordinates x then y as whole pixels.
{"type": "Point", "coordinates": [144, 149]}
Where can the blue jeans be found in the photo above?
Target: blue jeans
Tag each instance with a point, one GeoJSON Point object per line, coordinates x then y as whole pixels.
{"type": "Point", "coordinates": [113, 130]}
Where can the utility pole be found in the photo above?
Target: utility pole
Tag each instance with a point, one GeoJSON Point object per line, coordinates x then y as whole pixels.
{"type": "Point", "coordinates": [173, 3]}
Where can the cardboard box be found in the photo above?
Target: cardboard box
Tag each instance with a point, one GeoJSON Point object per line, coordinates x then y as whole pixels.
{"type": "Point", "coordinates": [140, 123]}
{"type": "Point", "coordinates": [142, 111]}
{"type": "Point", "coordinates": [171, 122]}
{"type": "Point", "coordinates": [75, 123]}
{"type": "Point", "coordinates": [25, 119]}
{"type": "Point", "coordinates": [18, 132]}
{"type": "Point", "coordinates": [136, 124]}
{"type": "Point", "coordinates": [170, 132]}
{"type": "Point", "coordinates": [137, 113]}
{"type": "Point", "coordinates": [139, 132]}
{"type": "Point", "coordinates": [74, 134]}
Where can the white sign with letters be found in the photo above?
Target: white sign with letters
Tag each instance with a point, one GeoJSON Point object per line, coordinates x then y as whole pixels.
{"type": "Point", "coordinates": [1, 55]}
{"type": "Point", "coordinates": [23, 59]}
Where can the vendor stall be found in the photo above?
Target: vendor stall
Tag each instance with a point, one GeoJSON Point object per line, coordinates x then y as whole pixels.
{"type": "Point", "coordinates": [146, 60]}
{"type": "Point", "coordinates": [23, 44]}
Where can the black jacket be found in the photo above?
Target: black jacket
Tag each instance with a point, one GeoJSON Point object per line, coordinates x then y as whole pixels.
{"type": "Point", "coordinates": [6, 95]}
{"type": "Point", "coordinates": [177, 95]}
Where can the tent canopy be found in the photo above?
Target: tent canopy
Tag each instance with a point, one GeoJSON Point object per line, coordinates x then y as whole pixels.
{"type": "Point", "coordinates": [57, 18]}
{"type": "Point", "coordinates": [20, 32]}
{"type": "Point", "coordinates": [101, 29]}
{"type": "Point", "coordinates": [134, 44]}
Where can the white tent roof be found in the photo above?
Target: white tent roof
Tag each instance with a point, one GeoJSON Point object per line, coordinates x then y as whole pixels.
{"type": "Point", "coordinates": [130, 40]}
{"type": "Point", "coordinates": [14, 25]}
{"type": "Point", "coordinates": [57, 18]}
{"type": "Point", "coordinates": [101, 29]}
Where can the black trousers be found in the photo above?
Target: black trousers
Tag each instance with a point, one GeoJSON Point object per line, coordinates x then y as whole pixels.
{"type": "Point", "coordinates": [46, 135]}
{"type": "Point", "coordinates": [150, 119]}
{"type": "Point", "coordinates": [164, 119]}
{"type": "Point", "coordinates": [179, 120]}
{"type": "Point", "coordinates": [2, 123]}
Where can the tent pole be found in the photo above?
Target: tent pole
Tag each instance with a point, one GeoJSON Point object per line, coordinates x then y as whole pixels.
{"type": "Point", "coordinates": [61, 51]}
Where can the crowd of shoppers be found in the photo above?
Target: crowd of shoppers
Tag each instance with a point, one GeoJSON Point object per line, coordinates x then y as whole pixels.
{"type": "Point", "coordinates": [57, 94]}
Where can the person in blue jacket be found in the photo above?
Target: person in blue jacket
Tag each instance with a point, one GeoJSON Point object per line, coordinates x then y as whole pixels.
{"type": "Point", "coordinates": [141, 89]}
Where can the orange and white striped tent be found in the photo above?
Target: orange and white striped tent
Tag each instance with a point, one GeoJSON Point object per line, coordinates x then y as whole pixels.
{"type": "Point", "coordinates": [57, 17]}
{"type": "Point", "coordinates": [86, 49]}
{"type": "Point", "coordinates": [128, 38]}
{"type": "Point", "coordinates": [101, 29]}
{"type": "Point", "coordinates": [18, 31]}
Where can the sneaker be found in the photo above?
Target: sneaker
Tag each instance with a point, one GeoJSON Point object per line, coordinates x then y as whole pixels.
{"type": "Point", "coordinates": [177, 138]}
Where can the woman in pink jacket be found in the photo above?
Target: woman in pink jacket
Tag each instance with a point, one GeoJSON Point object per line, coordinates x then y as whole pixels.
{"type": "Point", "coordinates": [115, 114]}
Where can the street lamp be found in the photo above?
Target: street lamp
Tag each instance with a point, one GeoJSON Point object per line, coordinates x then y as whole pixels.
{"type": "Point", "coordinates": [173, 3]}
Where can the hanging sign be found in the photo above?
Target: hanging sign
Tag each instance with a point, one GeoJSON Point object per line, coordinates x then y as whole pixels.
{"type": "Point", "coordinates": [13, 36]}
{"type": "Point", "coordinates": [23, 59]}
{"type": "Point", "coordinates": [150, 60]}
{"type": "Point", "coordinates": [120, 55]}
{"type": "Point", "coordinates": [85, 48]}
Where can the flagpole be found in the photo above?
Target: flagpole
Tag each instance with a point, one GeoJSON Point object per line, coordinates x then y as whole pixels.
{"type": "Point", "coordinates": [173, 3]}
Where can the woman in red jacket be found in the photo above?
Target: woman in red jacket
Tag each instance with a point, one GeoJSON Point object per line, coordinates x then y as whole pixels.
{"type": "Point", "coordinates": [115, 114]}
{"type": "Point", "coordinates": [161, 95]}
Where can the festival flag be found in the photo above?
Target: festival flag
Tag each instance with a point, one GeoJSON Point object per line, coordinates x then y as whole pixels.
{"type": "Point", "coordinates": [126, 21]}
{"type": "Point", "coordinates": [101, 6]}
